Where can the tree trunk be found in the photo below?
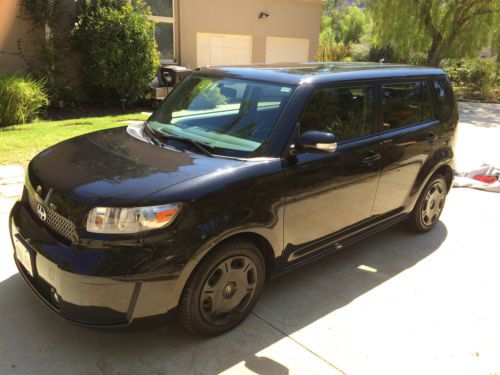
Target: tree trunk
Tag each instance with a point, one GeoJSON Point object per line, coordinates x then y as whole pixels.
{"type": "Point", "coordinates": [433, 58]}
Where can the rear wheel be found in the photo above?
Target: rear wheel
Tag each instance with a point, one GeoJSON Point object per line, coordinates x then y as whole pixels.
{"type": "Point", "coordinates": [429, 206]}
{"type": "Point", "coordinates": [223, 289]}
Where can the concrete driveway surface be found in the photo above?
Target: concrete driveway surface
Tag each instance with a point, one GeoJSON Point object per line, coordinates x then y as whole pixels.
{"type": "Point", "coordinates": [396, 303]}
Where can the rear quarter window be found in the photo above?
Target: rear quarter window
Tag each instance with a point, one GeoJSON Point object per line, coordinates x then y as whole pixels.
{"type": "Point", "coordinates": [444, 98]}
{"type": "Point", "coordinates": [406, 104]}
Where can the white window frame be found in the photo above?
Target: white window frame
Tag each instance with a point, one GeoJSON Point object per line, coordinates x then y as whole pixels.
{"type": "Point", "coordinates": [162, 19]}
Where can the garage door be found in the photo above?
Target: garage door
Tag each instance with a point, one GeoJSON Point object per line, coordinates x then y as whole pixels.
{"type": "Point", "coordinates": [286, 50]}
{"type": "Point", "coordinates": [223, 49]}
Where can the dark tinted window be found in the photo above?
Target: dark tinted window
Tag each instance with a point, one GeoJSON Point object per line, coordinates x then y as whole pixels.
{"type": "Point", "coordinates": [405, 104]}
{"type": "Point", "coordinates": [345, 112]}
{"type": "Point", "coordinates": [161, 8]}
{"type": "Point", "coordinates": [444, 99]}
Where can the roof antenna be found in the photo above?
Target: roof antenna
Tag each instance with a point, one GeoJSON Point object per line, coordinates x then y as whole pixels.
{"type": "Point", "coordinates": [381, 61]}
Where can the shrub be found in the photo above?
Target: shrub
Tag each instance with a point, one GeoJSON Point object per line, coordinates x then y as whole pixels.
{"type": "Point", "coordinates": [115, 39]}
{"type": "Point", "coordinates": [21, 99]}
{"type": "Point", "coordinates": [474, 74]}
{"type": "Point", "coordinates": [360, 52]}
{"type": "Point", "coordinates": [331, 51]}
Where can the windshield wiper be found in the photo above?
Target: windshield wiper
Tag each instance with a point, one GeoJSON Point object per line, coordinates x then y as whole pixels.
{"type": "Point", "coordinates": [200, 146]}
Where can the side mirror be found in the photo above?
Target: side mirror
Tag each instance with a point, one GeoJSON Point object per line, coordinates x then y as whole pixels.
{"type": "Point", "coordinates": [316, 141]}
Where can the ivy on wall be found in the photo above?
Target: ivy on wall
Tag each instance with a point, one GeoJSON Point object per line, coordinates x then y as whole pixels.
{"type": "Point", "coordinates": [47, 56]}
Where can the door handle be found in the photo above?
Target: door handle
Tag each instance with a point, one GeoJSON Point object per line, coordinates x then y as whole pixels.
{"type": "Point", "coordinates": [431, 137]}
{"type": "Point", "coordinates": [372, 158]}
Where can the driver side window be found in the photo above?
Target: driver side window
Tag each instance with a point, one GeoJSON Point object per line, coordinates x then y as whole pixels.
{"type": "Point", "coordinates": [346, 112]}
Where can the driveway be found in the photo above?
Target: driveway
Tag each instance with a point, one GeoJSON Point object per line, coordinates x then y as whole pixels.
{"type": "Point", "coordinates": [394, 303]}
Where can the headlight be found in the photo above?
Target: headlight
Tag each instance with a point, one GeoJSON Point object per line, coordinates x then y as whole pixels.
{"type": "Point", "coordinates": [130, 220]}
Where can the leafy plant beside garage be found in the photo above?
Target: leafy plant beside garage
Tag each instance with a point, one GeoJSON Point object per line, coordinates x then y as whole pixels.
{"type": "Point", "coordinates": [119, 56]}
{"type": "Point", "coordinates": [21, 99]}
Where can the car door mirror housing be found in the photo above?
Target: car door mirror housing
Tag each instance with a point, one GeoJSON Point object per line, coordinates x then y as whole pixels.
{"type": "Point", "coordinates": [315, 141]}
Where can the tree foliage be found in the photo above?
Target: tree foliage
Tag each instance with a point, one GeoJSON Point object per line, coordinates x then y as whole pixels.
{"type": "Point", "coordinates": [352, 25]}
{"type": "Point", "coordinates": [115, 40]}
{"type": "Point", "coordinates": [436, 28]}
{"type": "Point", "coordinates": [343, 24]}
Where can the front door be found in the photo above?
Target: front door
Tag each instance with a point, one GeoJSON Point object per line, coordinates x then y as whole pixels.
{"type": "Point", "coordinates": [330, 192]}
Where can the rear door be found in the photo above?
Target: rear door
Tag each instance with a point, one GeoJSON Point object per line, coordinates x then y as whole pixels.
{"type": "Point", "coordinates": [328, 192]}
{"type": "Point", "coordinates": [408, 130]}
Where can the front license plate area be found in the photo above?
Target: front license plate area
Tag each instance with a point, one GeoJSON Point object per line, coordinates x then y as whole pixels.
{"type": "Point", "coordinates": [23, 255]}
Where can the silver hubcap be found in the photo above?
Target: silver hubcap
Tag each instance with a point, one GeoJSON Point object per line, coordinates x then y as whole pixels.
{"type": "Point", "coordinates": [433, 203]}
{"type": "Point", "coordinates": [228, 290]}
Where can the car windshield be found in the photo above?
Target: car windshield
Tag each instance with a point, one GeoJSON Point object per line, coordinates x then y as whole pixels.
{"type": "Point", "coordinates": [232, 117]}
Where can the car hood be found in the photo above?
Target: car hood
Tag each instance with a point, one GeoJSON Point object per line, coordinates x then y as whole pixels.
{"type": "Point", "coordinates": [112, 168]}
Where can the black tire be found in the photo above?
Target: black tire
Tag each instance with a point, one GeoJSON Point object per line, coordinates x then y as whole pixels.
{"type": "Point", "coordinates": [232, 274]}
{"type": "Point", "coordinates": [429, 205]}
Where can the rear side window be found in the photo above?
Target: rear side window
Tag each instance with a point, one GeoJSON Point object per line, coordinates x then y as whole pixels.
{"type": "Point", "coordinates": [346, 112]}
{"type": "Point", "coordinates": [444, 100]}
{"type": "Point", "coordinates": [405, 104]}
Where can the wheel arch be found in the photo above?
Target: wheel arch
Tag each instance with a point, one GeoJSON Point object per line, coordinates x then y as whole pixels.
{"type": "Point", "coordinates": [262, 243]}
{"type": "Point", "coordinates": [447, 172]}
{"type": "Point", "coordinates": [258, 240]}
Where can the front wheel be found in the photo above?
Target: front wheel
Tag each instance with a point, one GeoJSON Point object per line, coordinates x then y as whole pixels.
{"type": "Point", "coordinates": [223, 289]}
{"type": "Point", "coordinates": [429, 206]}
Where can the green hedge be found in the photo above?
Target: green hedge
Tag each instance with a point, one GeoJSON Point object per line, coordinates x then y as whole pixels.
{"type": "Point", "coordinates": [21, 99]}
{"type": "Point", "coordinates": [118, 51]}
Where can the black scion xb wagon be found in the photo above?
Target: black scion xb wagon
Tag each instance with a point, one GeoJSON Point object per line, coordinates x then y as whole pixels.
{"type": "Point", "coordinates": [241, 174]}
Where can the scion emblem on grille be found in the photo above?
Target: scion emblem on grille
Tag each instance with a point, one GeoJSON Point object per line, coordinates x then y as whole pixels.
{"type": "Point", "coordinates": [42, 213]}
{"type": "Point", "coordinates": [51, 219]}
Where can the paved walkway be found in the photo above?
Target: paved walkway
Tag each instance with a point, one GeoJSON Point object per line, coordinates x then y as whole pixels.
{"type": "Point", "coordinates": [478, 138]}
{"type": "Point", "coordinates": [396, 303]}
{"type": "Point", "coordinates": [11, 181]}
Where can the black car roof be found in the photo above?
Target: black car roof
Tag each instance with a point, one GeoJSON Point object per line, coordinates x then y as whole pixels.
{"type": "Point", "coordinates": [317, 73]}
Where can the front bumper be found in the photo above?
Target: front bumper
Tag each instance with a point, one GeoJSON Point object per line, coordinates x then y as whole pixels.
{"type": "Point", "coordinates": [83, 299]}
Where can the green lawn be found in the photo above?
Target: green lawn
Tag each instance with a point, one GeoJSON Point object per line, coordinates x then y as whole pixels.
{"type": "Point", "coordinates": [19, 143]}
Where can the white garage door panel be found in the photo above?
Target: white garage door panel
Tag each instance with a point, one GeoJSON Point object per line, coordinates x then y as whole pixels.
{"type": "Point", "coordinates": [223, 49]}
{"type": "Point", "coordinates": [286, 50]}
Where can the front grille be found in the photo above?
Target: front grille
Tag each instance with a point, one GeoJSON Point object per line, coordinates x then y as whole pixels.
{"type": "Point", "coordinates": [56, 222]}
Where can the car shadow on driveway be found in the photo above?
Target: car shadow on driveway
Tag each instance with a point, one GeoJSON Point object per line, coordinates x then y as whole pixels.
{"type": "Point", "coordinates": [34, 340]}
{"type": "Point", "coordinates": [311, 292]}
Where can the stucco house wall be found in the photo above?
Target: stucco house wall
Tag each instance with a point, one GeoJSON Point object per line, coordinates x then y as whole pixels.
{"type": "Point", "coordinates": [287, 18]}
{"type": "Point", "coordinates": [12, 29]}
